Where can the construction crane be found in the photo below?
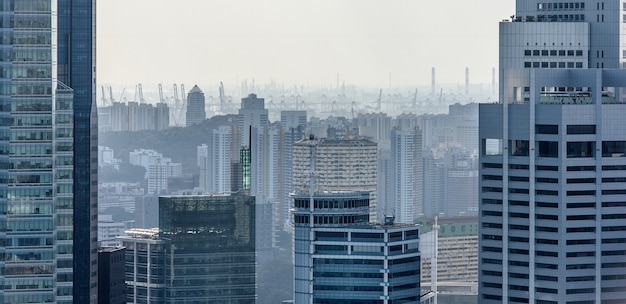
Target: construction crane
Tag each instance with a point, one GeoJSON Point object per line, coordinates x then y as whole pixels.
{"type": "Point", "coordinates": [122, 95]}
{"type": "Point", "coordinates": [222, 98]}
{"type": "Point", "coordinates": [104, 98]}
{"type": "Point", "coordinates": [183, 93]}
{"type": "Point", "coordinates": [140, 92]}
{"type": "Point", "coordinates": [111, 95]}
{"type": "Point", "coordinates": [176, 100]}
{"type": "Point", "coordinates": [161, 99]}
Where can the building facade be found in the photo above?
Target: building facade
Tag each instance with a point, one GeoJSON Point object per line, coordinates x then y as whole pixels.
{"type": "Point", "coordinates": [204, 252]}
{"type": "Point", "coordinates": [49, 152]}
{"type": "Point", "coordinates": [112, 287]}
{"type": "Point", "coordinates": [551, 165]}
{"type": "Point", "coordinates": [341, 258]}
{"type": "Point", "coordinates": [196, 112]}
{"type": "Point", "coordinates": [345, 164]}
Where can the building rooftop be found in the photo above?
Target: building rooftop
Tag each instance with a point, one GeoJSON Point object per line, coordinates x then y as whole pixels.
{"type": "Point", "coordinates": [195, 89]}
{"type": "Point", "coordinates": [342, 141]}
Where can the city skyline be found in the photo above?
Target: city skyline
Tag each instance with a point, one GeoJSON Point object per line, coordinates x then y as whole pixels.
{"type": "Point", "coordinates": [297, 42]}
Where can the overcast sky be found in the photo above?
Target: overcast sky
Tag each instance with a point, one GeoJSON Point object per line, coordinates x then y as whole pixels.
{"type": "Point", "coordinates": [298, 41]}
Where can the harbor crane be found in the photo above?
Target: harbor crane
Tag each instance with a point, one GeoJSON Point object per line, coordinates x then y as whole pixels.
{"type": "Point", "coordinates": [380, 97]}
{"type": "Point", "coordinates": [140, 93]}
{"type": "Point", "coordinates": [222, 98]}
{"type": "Point", "coordinates": [161, 98]}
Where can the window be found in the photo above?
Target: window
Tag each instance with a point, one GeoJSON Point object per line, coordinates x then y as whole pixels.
{"type": "Point", "coordinates": [579, 53]}
{"type": "Point", "coordinates": [548, 149]}
{"type": "Point", "coordinates": [535, 64]}
{"type": "Point", "coordinates": [579, 65]}
{"type": "Point", "coordinates": [492, 146]}
{"type": "Point", "coordinates": [561, 52]}
{"type": "Point", "coordinates": [613, 148]}
{"type": "Point", "coordinates": [552, 52]}
{"type": "Point", "coordinates": [536, 53]}
{"type": "Point", "coordinates": [578, 149]}
{"type": "Point", "coordinates": [519, 147]}
{"type": "Point", "coordinates": [546, 129]}
{"type": "Point", "coordinates": [527, 52]}
{"type": "Point", "coordinates": [570, 65]}
{"type": "Point", "coordinates": [544, 52]}
{"type": "Point", "coordinates": [544, 64]}
{"type": "Point", "coordinates": [527, 64]}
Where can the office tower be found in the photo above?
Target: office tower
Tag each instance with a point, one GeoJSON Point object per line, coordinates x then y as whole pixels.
{"type": "Point", "coordinates": [405, 184]}
{"type": "Point", "coordinates": [202, 252]}
{"type": "Point", "coordinates": [551, 162]}
{"type": "Point", "coordinates": [49, 179]}
{"type": "Point", "coordinates": [111, 285]}
{"type": "Point", "coordinates": [346, 164]}
{"type": "Point", "coordinates": [252, 114]}
{"type": "Point", "coordinates": [196, 112]}
{"type": "Point", "coordinates": [293, 125]}
{"type": "Point", "coordinates": [341, 258]}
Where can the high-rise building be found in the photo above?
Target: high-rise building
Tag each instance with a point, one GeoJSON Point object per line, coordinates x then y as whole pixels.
{"type": "Point", "coordinates": [49, 152]}
{"type": "Point", "coordinates": [196, 112]}
{"type": "Point", "coordinates": [551, 159]}
{"type": "Point", "coordinates": [340, 257]}
{"type": "Point", "coordinates": [252, 114]}
{"type": "Point", "coordinates": [215, 161]}
{"type": "Point", "coordinates": [405, 184]}
{"type": "Point", "coordinates": [293, 125]}
{"type": "Point", "coordinates": [202, 252]}
{"type": "Point", "coordinates": [158, 169]}
{"type": "Point", "coordinates": [345, 164]}
{"type": "Point", "coordinates": [111, 284]}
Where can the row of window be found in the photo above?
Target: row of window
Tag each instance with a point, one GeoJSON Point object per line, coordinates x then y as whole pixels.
{"type": "Point", "coordinates": [561, 18]}
{"type": "Point", "coordinates": [550, 6]}
{"type": "Point", "coordinates": [553, 53]}
{"type": "Point", "coordinates": [489, 201]}
{"type": "Point", "coordinates": [555, 192]}
{"type": "Point", "coordinates": [555, 168]}
{"type": "Point", "coordinates": [553, 65]}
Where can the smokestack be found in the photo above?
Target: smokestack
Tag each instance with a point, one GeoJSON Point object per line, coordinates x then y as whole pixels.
{"type": "Point", "coordinates": [466, 81]}
{"type": "Point", "coordinates": [432, 81]}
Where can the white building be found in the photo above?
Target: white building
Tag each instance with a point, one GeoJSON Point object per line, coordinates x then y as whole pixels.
{"type": "Point", "coordinates": [551, 159]}
{"type": "Point", "coordinates": [215, 161]}
{"type": "Point", "coordinates": [405, 192]}
{"type": "Point", "coordinates": [158, 169]}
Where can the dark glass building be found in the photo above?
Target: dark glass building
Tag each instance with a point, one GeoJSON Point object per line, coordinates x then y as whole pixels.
{"type": "Point", "coordinates": [111, 285]}
{"type": "Point", "coordinates": [48, 152]}
{"type": "Point", "coordinates": [204, 252]}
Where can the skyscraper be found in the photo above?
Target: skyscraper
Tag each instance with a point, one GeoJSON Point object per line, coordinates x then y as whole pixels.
{"type": "Point", "coordinates": [196, 112]}
{"type": "Point", "coordinates": [202, 252]}
{"type": "Point", "coordinates": [405, 193]}
{"type": "Point", "coordinates": [551, 159]}
{"type": "Point", "coordinates": [346, 164]}
{"type": "Point", "coordinates": [48, 153]}
{"type": "Point", "coordinates": [340, 257]}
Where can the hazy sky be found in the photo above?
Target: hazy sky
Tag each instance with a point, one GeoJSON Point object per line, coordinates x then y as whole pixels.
{"type": "Point", "coordinates": [298, 41]}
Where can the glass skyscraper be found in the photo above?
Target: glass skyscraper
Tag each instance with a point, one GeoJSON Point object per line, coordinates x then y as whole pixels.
{"type": "Point", "coordinates": [202, 252]}
{"type": "Point", "coordinates": [48, 185]}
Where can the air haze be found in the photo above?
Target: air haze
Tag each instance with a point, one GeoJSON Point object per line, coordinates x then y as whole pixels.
{"type": "Point", "coordinates": [298, 42]}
